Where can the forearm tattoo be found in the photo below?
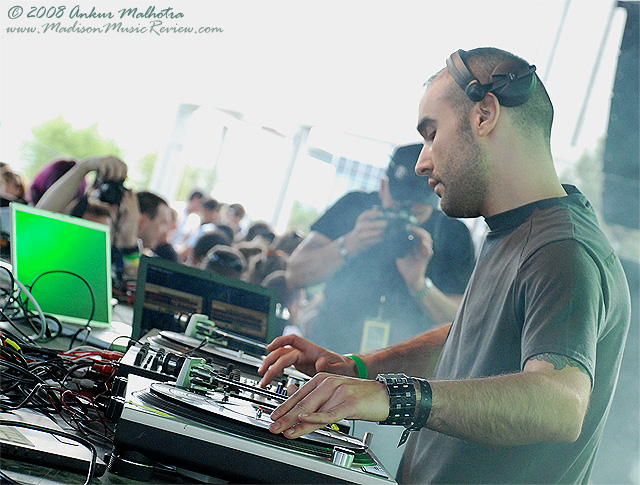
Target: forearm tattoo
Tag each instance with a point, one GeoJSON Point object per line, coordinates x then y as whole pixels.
{"type": "Point", "coordinates": [561, 361]}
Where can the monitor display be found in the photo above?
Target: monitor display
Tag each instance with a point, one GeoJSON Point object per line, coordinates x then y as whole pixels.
{"type": "Point", "coordinates": [66, 263]}
{"type": "Point", "coordinates": [167, 291]}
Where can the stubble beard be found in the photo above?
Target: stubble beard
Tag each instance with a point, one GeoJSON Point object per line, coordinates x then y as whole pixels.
{"type": "Point", "coordinates": [467, 182]}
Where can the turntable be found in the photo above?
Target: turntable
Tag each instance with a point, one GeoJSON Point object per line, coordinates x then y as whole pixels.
{"type": "Point", "coordinates": [218, 426]}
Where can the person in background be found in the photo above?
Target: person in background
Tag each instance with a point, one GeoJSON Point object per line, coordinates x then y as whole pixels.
{"type": "Point", "coordinates": [210, 218]}
{"type": "Point", "coordinates": [12, 186]}
{"type": "Point", "coordinates": [248, 249]}
{"type": "Point", "coordinates": [260, 233]}
{"type": "Point", "coordinates": [155, 220]}
{"type": "Point", "coordinates": [262, 265]}
{"type": "Point", "coordinates": [98, 211]}
{"type": "Point", "coordinates": [189, 219]}
{"type": "Point", "coordinates": [62, 187]}
{"type": "Point", "coordinates": [204, 244]}
{"type": "Point", "coordinates": [165, 249]}
{"type": "Point", "coordinates": [228, 230]}
{"type": "Point", "coordinates": [232, 216]}
{"type": "Point", "coordinates": [392, 264]}
{"type": "Point", "coordinates": [525, 376]}
{"type": "Point", "coordinates": [50, 174]}
{"type": "Point", "coordinates": [225, 261]}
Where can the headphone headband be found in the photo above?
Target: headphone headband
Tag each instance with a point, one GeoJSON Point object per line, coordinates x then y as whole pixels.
{"type": "Point", "coordinates": [512, 82]}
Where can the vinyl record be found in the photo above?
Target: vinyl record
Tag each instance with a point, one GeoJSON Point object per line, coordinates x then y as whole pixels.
{"type": "Point", "coordinates": [244, 411]}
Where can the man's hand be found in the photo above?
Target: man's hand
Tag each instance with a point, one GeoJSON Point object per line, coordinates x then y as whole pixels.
{"type": "Point", "coordinates": [107, 168]}
{"type": "Point", "coordinates": [327, 399]}
{"type": "Point", "coordinates": [304, 356]}
{"type": "Point", "coordinates": [128, 221]}
{"type": "Point", "coordinates": [368, 231]}
{"type": "Point", "coordinates": [414, 265]}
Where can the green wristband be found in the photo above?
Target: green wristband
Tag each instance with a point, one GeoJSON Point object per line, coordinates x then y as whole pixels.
{"type": "Point", "coordinates": [363, 373]}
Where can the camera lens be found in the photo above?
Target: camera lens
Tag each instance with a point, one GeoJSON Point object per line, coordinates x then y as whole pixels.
{"type": "Point", "coordinates": [112, 191]}
{"type": "Point", "coordinates": [399, 240]}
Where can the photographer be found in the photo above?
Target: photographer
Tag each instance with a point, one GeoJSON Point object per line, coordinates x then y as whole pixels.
{"type": "Point", "coordinates": [138, 221]}
{"type": "Point", "coordinates": [393, 264]}
{"type": "Point", "coordinates": [67, 191]}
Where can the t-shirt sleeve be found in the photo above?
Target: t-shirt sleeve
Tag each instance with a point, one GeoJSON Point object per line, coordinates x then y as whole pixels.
{"type": "Point", "coordinates": [563, 303]}
{"type": "Point", "coordinates": [341, 217]}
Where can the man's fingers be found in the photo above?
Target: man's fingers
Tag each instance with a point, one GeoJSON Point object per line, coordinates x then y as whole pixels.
{"type": "Point", "coordinates": [282, 341]}
{"type": "Point", "coordinates": [271, 359]}
{"type": "Point", "coordinates": [300, 429]}
{"type": "Point", "coordinates": [275, 363]}
{"type": "Point", "coordinates": [294, 402]}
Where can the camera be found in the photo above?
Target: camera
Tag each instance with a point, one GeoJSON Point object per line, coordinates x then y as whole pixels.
{"type": "Point", "coordinates": [111, 191]}
{"type": "Point", "coordinates": [398, 238]}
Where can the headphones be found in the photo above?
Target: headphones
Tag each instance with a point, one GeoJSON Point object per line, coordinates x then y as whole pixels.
{"type": "Point", "coordinates": [512, 81]}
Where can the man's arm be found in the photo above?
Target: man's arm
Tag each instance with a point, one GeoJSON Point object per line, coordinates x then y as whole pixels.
{"type": "Point", "coordinates": [442, 308]}
{"type": "Point", "coordinates": [58, 197]}
{"type": "Point", "coordinates": [318, 257]}
{"type": "Point", "coordinates": [313, 261]}
{"type": "Point", "coordinates": [546, 402]}
{"type": "Point", "coordinates": [416, 356]}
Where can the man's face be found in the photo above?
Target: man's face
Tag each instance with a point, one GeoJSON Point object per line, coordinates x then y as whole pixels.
{"type": "Point", "coordinates": [210, 215]}
{"type": "Point", "coordinates": [194, 205]}
{"type": "Point", "coordinates": [451, 157]}
{"type": "Point", "coordinates": [152, 231]}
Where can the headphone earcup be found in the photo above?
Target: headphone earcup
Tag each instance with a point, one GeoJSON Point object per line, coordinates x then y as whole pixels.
{"type": "Point", "coordinates": [475, 91]}
{"type": "Point", "coordinates": [509, 91]}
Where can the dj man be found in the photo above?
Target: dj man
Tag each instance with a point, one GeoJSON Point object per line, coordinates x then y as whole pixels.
{"type": "Point", "coordinates": [393, 264]}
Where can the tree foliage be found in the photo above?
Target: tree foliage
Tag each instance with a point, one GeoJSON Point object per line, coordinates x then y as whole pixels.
{"type": "Point", "coordinates": [203, 179]}
{"type": "Point", "coordinates": [139, 175]}
{"type": "Point", "coordinates": [302, 217]}
{"type": "Point", "coordinates": [57, 139]}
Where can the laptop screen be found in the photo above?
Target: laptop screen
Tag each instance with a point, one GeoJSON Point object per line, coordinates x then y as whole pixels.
{"type": "Point", "coordinates": [167, 290]}
{"type": "Point", "coordinates": [66, 263]}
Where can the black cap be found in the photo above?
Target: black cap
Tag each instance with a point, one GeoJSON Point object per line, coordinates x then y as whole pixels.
{"type": "Point", "coordinates": [404, 184]}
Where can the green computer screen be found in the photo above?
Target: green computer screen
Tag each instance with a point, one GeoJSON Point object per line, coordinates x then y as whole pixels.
{"type": "Point", "coordinates": [51, 249]}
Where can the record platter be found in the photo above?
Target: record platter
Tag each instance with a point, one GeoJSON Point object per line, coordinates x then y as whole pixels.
{"type": "Point", "coordinates": [222, 432]}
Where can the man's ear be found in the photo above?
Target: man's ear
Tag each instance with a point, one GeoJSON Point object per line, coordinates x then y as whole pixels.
{"type": "Point", "coordinates": [485, 114]}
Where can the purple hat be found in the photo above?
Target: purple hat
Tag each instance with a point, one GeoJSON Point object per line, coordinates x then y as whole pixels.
{"type": "Point", "coordinates": [48, 176]}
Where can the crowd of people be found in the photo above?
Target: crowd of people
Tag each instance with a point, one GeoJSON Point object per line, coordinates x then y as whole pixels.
{"type": "Point", "coordinates": [206, 234]}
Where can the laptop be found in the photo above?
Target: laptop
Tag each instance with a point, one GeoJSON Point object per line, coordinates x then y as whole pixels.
{"type": "Point", "coordinates": [66, 263]}
{"type": "Point", "coordinates": [43, 448]}
{"type": "Point", "coordinates": [167, 293]}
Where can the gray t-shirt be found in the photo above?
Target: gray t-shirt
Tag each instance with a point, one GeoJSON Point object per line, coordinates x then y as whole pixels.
{"type": "Point", "coordinates": [556, 287]}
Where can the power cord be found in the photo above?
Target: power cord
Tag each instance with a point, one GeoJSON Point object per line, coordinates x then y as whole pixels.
{"type": "Point", "coordinates": [78, 439]}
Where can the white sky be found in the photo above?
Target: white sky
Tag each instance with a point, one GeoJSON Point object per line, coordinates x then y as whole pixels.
{"type": "Point", "coordinates": [356, 66]}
